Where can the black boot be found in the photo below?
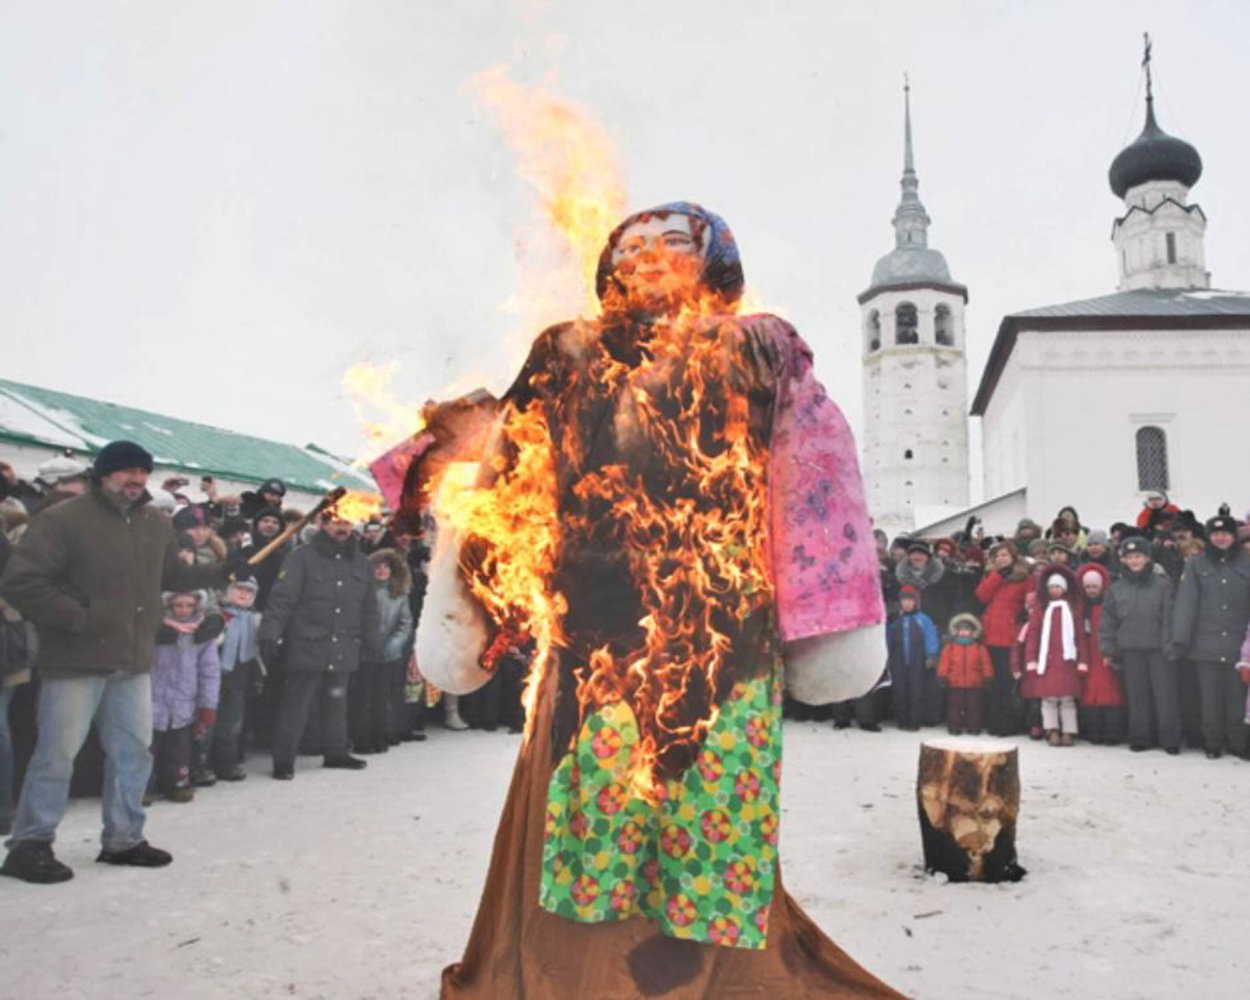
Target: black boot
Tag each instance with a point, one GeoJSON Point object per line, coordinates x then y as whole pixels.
{"type": "Point", "coordinates": [33, 861]}
{"type": "Point", "coordinates": [345, 762]}
{"type": "Point", "coordinates": [142, 855]}
{"type": "Point", "coordinates": [283, 772]}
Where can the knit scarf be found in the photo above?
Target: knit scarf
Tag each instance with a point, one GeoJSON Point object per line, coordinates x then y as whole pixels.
{"type": "Point", "coordinates": [1067, 633]}
{"type": "Point", "coordinates": [185, 626]}
{"type": "Point", "coordinates": [238, 644]}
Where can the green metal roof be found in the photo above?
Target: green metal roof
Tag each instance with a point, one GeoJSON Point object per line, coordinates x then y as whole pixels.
{"type": "Point", "coordinates": [43, 417]}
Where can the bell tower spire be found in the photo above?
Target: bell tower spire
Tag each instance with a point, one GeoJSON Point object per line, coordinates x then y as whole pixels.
{"type": "Point", "coordinates": [911, 221]}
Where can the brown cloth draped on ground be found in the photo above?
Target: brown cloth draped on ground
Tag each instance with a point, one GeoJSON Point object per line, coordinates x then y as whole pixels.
{"type": "Point", "coordinates": [519, 951]}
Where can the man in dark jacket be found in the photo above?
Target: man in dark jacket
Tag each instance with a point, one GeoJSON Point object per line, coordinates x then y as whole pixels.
{"type": "Point", "coordinates": [89, 573]}
{"type": "Point", "coordinates": [1212, 610]}
{"type": "Point", "coordinates": [324, 612]}
{"type": "Point", "coordinates": [1135, 637]}
{"type": "Point", "coordinates": [269, 494]}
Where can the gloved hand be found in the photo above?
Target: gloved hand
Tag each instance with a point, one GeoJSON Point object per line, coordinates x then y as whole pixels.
{"type": "Point", "coordinates": [210, 628]}
{"type": "Point", "coordinates": [270, 652]}
{"type": "Point", "coordinates": [1082, 668]}
{"type": "Point", "coordinates": [166, 635]}
{"type": "Point", "coordinates": [236, 568]}
{"type": "Point", "coordinates": [204, 720]}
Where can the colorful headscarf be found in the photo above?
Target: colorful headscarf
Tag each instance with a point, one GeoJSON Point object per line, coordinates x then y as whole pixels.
{"type": "Point", "coordinates": [722, 267]}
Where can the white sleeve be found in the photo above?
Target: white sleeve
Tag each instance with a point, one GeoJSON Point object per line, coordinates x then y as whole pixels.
{"type": "Point", "coordinates": [452, 632]}
{"type": "Point", "coordinates": [835, 667]}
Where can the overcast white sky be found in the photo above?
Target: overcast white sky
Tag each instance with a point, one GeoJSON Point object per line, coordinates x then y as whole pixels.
{"type": "Point", "coordinates": [213, 209]}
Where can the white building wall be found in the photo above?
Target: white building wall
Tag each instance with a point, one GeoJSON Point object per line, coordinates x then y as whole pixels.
{"type": "Point", "coordinates": [1083, 396]}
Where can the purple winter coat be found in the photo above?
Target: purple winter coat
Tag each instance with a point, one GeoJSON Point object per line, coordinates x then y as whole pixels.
{"type": "Point", "coordinates": [185, 677]}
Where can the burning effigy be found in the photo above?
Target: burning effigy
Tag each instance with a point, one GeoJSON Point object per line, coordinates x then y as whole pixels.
{"type": "Point", "coordinates": [666, 508]}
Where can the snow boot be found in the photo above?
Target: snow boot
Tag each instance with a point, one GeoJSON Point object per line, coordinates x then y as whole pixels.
{"type": "Point", "coordinates": [181, 793]}
{"type": "Point", "coordinates": [1067, 740]}
{"type": "Point", "coordinates": [451, 713]}
{"type": "Point", "coordinates": [33, 861]}
{"type": "Point", "coordinates": [1052, 737]}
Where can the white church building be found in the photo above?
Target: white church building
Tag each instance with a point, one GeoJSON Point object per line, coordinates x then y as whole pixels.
{"type": "Point", "coordinates": [1093, 403]}
{"type": "Point", "coordinates": [915, 440]}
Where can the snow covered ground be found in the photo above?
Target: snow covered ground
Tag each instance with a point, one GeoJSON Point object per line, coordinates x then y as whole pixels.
{"type": "Point", "coordinates": [364, 885]}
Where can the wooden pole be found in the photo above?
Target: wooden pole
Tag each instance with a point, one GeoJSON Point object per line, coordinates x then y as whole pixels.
{"type": "Point", "coordinates": [968, 796]}
{"type": "Point", "coordinates": [326, 502]}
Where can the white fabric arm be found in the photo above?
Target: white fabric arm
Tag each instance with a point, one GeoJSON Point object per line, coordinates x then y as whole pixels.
{"type": "Point", "coordinates": [835, 667]}
{"type": "Point", "coordinates": [452, 632]}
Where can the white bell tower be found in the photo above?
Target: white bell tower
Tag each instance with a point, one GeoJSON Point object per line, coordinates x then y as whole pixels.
{"type": "Point", "coordinates": [915, 439]}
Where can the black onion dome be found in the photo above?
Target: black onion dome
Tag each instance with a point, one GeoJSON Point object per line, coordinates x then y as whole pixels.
{"type": "Point", "coordinates": [1154, 156]}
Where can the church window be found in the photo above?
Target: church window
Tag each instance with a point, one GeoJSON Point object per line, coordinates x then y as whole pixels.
{"type": "Point", "coordinates": [1152, 459]}
{"type": "Point", "coordinates": [905, 323]}
{"type": "Point", "coordinates": [1171, 241]}
{"type": "Point", "coordinates": [942, 327]}
{"type": "Point", "coordinates": [874, 331]}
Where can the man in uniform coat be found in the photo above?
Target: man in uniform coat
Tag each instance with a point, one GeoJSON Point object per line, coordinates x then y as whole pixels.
{"type": "Point", "coordinates": [321, 619]}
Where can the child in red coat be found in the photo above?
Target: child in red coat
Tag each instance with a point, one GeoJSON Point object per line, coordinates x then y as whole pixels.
{"type": "Point", "coordinates": [1102, 700]}
{"type": "Point", "coordinates": [1058, 652]}
{"type": "Point", "coordinates": [965, 668]}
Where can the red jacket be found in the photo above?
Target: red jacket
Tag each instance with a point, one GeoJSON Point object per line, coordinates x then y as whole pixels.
{"type": "Point", "coordinates": [1102, 683]}
{"type": "Point", "coordinates": [965, 667]}
{"type": "Point", "coordinates": [1003, 597]}
{"type": "Point", "coordinates": [1060, 678]}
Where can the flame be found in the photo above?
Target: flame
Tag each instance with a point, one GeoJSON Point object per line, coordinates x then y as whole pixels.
{"type": "Point", "coordinates": [358, 506]}
{"type": "Point", "coordinates": [368, 388]}
{"type": "Point", "coordinates": [686, 505]}
{"type": "Point", "coordinates": [568, 158]}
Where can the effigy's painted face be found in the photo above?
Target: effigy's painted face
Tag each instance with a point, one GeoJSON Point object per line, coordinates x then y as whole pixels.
{"type": "Point", "coordinates": [658, 258]}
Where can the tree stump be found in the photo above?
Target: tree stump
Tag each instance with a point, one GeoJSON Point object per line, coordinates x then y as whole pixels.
{"type": "Point", "coordinates": [968, 794]}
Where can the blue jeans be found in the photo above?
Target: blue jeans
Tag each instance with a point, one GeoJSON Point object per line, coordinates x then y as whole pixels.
{"type": "Point", "coordinates": [6, 758]}
{"type": "Point", "coordinates": [121, 705]}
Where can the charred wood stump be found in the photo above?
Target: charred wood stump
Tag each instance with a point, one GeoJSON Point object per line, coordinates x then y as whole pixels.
{"type": "Point", "coordinates": [968, 793]}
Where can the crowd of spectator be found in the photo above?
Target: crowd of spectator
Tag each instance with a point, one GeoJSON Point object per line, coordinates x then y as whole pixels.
{"type": "Point", "coordinates": [1138, 633]}
{"type": "Point", "coordinates": [185, 634]}
{"type": "Point", "coordinates": [149, 642]}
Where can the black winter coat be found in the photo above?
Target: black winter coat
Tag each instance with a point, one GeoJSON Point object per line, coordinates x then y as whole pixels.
{"type": "Point", "coordinates": [325, 608]}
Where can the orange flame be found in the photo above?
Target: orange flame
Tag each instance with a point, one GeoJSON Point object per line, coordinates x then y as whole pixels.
{"type": "Point", "coordinates": [357, 506]}
{"type": "Point", "coordinates": [368, 388]}
{"type": "Point", "coordinates": [568, 158]}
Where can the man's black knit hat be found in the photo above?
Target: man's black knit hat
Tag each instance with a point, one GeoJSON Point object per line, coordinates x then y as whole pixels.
{"type": "Point", "coordinates": [118, 455]}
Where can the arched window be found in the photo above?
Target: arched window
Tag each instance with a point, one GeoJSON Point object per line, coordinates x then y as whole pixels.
{"type": "Point", "coordinates": [905, 324]}
{"type": "Point", "coordinates": [907, 455]}
{"type": "Point", "coordinates": [1152, 459]}
{"type": "Point", "coordinates": [942, 327]}
{"type": "Point", "coordinates": [874, 331]}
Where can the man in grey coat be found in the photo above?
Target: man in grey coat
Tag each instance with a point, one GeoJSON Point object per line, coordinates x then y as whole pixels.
{"type": "Point", "coordinates": [1136, 638]}
{"type": "Point", "coordinates": [1212, 610]}
{"type": "Point", "coordinates": [322, 618]}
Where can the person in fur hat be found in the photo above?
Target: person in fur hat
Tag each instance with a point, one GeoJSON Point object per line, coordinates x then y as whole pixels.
{"type": "Point", "coordinates": [376, 695]}
{"type": "Point", "coordinates": [1134, 633]}
{"type": "Point", "coordinates": [1058, 653]}
{"type": "Point", "coordinates": [239, 664]}
{"type": "Point", "coordinates": [1101, 711]}
{"type": "Point", "coordinates": [937, 592]}
{"type": "Point", "coordinates": [965, 668]}
{"type": "Point", "coordinates": [1002, 591]}
{"type": "Point", "coordinates": [912, 645]}
{"type": "Point", "coordinates": [1212, 614]}
{"type": "Point", "coordinates": [186, 679]}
